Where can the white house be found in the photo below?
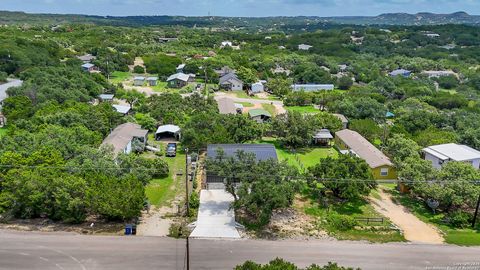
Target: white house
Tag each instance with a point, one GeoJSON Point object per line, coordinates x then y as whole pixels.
{"type": "Point", "coordinates": [304, 47]}
{"type": "Point", "coordinates": [312, 87]}
{"type": "Point", "coordinates": [443, 153]}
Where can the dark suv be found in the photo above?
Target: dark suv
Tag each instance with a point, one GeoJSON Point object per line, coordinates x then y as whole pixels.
{"type": "Point", "coordinates": [171, 150]}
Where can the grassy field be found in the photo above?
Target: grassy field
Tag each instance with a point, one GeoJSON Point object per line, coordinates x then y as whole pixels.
{"type": "Point", "coordinates": [161, 192]}
{"type": "Point", "coordinates": [373, 232]}
{"type": "Point", "coordinates": [119, 76]}
{"type": "Point", "coordinates": [306, 157]}
{"type": "Point", "coordinates": [462, 237]}
{"type": "Point", "coordinates": [245, 104]}
{"type": "Point", "coordinates": [270, 108]}
{"type": "Point", "coordinates": [302, 109]}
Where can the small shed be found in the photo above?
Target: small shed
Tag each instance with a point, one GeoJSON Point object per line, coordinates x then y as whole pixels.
{"type": "Point", "coordinates": [180, 68]}
{"type": "Point", "coordinates": [106, 97]}
{"type": "Point", "coordinates": [139, 81]}
{"type": "Point", "coordinates": [257, 87]}
{"type": "Point", "coordinates": [343, 119]}
{"type": "Point", "coordinates": [323, 137]}
{"type": "Point", "coordinates": [259, 115]}
{"type": "Point", "coordinates": [122, 109]}
{"type": "Point", "coordinates": [168, 132]}
{"type": "Point", "coordinates": [89, 67]}
{"type": "Point", "coordinates": [152, 81]}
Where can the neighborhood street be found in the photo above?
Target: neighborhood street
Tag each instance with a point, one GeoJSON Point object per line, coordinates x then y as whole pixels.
{"type": "Point", "coordinates": [32, 250]}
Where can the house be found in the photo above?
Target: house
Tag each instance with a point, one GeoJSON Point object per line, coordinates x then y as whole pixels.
{"type": "Point", "coordinates": [379, 163]}
{"type": "Point", "coordinates": [106, 97]}
{"type": "Point", "coordinates": [168, 132]}
{"type": "Point", "coordinates": [224, 71]}
{"type": "Point", "coordinates": [87, 58]}
{"type": "Point", "coordinates": [152, 81]}
{"type": "Point", "coordinates": [227, 106]}
{"type": "Point", "coordinates": [89, 67]}
{"type": "Point", "coordinates": [400, 72]}
{"type": "Point", "coordinates": [180, 68]}
{"type": "Point", "coordinates": [304, 47]}
{"type": "Point", "coordinates": [343, 119]}
{"type": "Point", "coordinates": [139, 81]}
{"type": "Point", "coordinates": [122, 109]}
{"type": "Point", "coordinates": [444, 153]}
{"type": "Point", "coordinates": [322, 137]}
{"type": "Point", "coordinates": [178, 80]}
{"type": "Point", "coordinates": [312, 87]}
{"type": "Point", "coordinates": [258, 87]}
{"type": "Point", "coordinates": [259, 115]}
{"type": "Point", "coordinates": [123, 136]}
{"type": "Point", "coordinates": [231, 82]}
{"type": "Point", "coordinates": [262, 152]}
{"type": "Point", "coordinates": [439, 73]}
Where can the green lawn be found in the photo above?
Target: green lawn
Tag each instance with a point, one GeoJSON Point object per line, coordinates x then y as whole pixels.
{"type": "Point", "coordinates": [245, 104]}
{"type": "Point", "coordinates": [119, 76]}
{"type": "Point", "coordinates": [373, 232]}
{"type": "Point", "coordinates": [161, 192]}
{"type": "Point", "coordinates": [306, 157]}
{"type": "Point", "coordinates": [270, 108]}
{"type": "Point", "coordinates": [302, 109]}
{"type": "Point", "coordinates": [462, 237]}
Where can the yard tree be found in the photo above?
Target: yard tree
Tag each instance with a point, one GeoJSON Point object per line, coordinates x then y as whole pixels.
{"type": "Point", "coordinates": [347, 177]}
{"type": "Point", "coordinates": [133, 97]}
{"type": "Point", "coordinates": [263, 185]}
{"type": "Point", "coordinates": [293, 129]}
{"type": "Point", "coordinates": [367, 128]}
{"type": "Point", "coordinates": [247, 75]}
{"type": "Point", "coordinates": [279, 86]}
{"type": "Point", "coordinates": [400, 148]}
{"type": "Point", "coordinates": [326, 120]}
{"type": "Point", "coordinates": [344, 82]}
{"type": "Point", "coordinates": [139, 69]}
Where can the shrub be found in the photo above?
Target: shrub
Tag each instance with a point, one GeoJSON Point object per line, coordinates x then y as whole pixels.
{"type": "Point", "coordinates": [459, 219]}
{"type": "Point", "coordinates": [138, 69]}
{"type": "Point", "coordinates": [3, 76]}
{"type": "Point", "coordinates": [194, 201]}
{"type": "Point", "coordinates": [341, 223]}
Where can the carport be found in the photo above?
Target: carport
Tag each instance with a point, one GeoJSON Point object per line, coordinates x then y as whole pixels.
{"type": "Point", "coordinates": [167, 132]}
{"type": "Point", "coordinates": [215, 218]}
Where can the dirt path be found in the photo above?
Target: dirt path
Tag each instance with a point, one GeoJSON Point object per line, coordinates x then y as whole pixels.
{"type": "Point", "coordinates": [154, 223]}
{"type": "Point", "coordinates": [413, 228]}
{"type": "Point", "coordinates": [137, 62]}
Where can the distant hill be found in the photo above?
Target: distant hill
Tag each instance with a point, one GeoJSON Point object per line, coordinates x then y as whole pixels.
{"type": "Point", "coordinates": [410, 19]}
{"type": "Point", "coordinates": [7, 17]}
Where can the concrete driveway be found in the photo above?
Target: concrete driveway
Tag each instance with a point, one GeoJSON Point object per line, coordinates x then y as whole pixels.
{"type": "Point", "coordinates": [4, 87]}
{"type": "Point", "coordinates": [215, 218]}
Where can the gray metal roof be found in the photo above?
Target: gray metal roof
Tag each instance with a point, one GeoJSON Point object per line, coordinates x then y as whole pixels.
{"type": "Point", "coordinates": [453, 151]}
{"type": "Point", "coordinates": [168, 128]}
{"type": "Point", "coordinates": [261, 151]}
{"type": "Point", "coordinates": [227, 79]}
{"type": "Point", "coordinates": [323, 134]}
{"type": "Point", "coordinates": [179, 76]}
{"type": "Point", "coordinates": [122, 135]}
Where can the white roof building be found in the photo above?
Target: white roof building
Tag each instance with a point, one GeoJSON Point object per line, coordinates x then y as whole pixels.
{"type": "Point", "coordinates": [122, 109]}
{"type": "Point", "coordinates": [443, 153]}
{"type": "Point", "coordinates": [312, 87]}
{"type": "Point", "coordinates": [304, 47]}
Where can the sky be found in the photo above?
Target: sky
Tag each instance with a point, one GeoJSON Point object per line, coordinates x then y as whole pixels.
{"type": "Point", "coordinates": [247, 8]}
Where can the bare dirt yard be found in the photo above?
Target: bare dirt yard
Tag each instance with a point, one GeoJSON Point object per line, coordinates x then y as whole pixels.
{"type": "Point", "coordinates": [414, 229]}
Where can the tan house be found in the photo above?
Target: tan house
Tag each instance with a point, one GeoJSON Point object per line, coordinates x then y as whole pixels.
{"type": "Point", "coordinates": [351, 142]}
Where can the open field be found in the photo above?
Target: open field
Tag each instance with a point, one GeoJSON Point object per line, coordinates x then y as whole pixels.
{"type": "Point", "coordinates": [306, 157]}
{"type": "Point", "coordinates": [119, 76]}
{"type": "Point", "coordinates": [302, 109]}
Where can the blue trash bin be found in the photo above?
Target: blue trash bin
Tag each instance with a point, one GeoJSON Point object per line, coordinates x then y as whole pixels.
{"type": "Point", "coordinates": [128, 229]}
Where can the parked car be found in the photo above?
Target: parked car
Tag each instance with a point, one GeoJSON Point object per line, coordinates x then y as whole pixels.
{"type": "Point", "coordinates": [171, 150]}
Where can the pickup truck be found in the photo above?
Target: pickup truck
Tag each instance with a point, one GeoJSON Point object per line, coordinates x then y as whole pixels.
{"type": "Point", "coordinates": [171, 150]}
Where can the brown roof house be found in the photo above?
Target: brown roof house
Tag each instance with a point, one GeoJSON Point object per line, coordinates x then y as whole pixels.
{"type": "Point", "coordinates": [123, 138]}
{"type": "Point", "coordinates": [350, 142]}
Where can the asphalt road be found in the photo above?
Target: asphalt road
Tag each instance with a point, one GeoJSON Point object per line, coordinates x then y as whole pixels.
{"type": "Point", "coordinates": [27, 250]}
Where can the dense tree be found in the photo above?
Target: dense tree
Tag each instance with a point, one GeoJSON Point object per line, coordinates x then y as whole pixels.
{"type": "Point", "coordinates": [347, 177]}
{"type": "Point", "coordinates": [278, 264]}
{"type": "Point", "coordinates": [264, 185]}
{"type": "Point", "coordinates": [279, 86]}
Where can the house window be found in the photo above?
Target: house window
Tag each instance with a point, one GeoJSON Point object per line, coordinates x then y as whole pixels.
{"type": "Point", "coordinates": [384, 171]}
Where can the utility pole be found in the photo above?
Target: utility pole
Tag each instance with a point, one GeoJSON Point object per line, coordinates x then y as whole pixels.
{"type": "Point", "coordinates": [188, 207]}
{"type": "Point", "coordinates": [476, 212]}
